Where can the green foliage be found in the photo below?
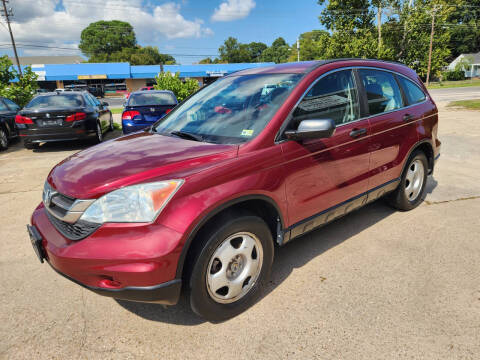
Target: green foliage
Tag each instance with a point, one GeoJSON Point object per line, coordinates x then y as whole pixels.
{"type": "Point", "coordinates": [136, 56]}
{"type": "Point", "coordinates": [464, 63]}
{"type": "Point", "coordinates": [454, 75]}
{"type": "Point", "coordinates": [181, 89]}
{"type": "Point", "coordinates": [234, 52]}
{"type": "Point", "coordinates": [106, 37]}
{"type": "Point", "coordinates": [278, 52]}
{"type": "Point", "coordinates": [21, 91]}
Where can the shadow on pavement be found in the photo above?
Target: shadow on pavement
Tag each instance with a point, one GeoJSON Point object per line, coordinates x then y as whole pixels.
{"type": "Point", "coordinates": [287, 258]}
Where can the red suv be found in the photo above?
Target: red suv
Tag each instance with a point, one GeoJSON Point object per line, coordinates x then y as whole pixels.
{"type": "Point", "coordinates": [200, 199]}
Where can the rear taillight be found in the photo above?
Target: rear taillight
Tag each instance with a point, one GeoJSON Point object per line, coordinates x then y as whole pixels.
{"type": "Point", "coordinates": [130, 114]}
{"type": "Point", "coordinates": [19, 119]}
{"type": "Point", "coordinates": [167, 111]}
{"type": "Point", "coordinates": [75, 117]}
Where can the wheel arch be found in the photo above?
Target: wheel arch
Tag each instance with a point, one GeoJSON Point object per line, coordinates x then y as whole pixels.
{"type": "Point", "coordinates": [426, 147]}
{"type": "Point", "coordinates": [261, 205]}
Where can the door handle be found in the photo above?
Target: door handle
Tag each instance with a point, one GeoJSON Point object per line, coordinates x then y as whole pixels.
{"type": "Point", "coordinates": [407, 117]}
{"type": "Point", "coordinates": [358, 132]}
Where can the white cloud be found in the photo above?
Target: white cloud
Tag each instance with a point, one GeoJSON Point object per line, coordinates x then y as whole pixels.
{"type": "Point", "coordinates": [59, 23]}
{"type": "Point", "coordinates": [233, 10]}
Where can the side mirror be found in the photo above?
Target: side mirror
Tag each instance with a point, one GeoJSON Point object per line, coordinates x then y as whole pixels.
{"type": "Point", "coordinates": [104, 103]}
{"type": "Point", "coordinates": [312, 129]}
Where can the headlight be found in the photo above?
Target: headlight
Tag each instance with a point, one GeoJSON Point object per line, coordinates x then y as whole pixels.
{"type": "Point", "coordinates": [137, 203]}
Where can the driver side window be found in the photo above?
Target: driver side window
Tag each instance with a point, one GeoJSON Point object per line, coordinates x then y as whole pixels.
{"type": "Point", "coordinates": [334, 96]}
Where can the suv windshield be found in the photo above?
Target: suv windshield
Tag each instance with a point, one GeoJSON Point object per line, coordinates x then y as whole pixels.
{"type": "Point", "coordinates": [232, 110]}
{"type": "Point", "coordinates": [63, 100]}
{"type": "Point", "coordinates": [151, 98]}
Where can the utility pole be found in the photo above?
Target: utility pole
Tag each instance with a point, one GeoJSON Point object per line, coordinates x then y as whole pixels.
{"type": "Point", "coordinates": [379, 26]}
{"type": "Point", "coordinates": [8, 13]}
{"type": "Point", "coordinates": [431, 45]}
{"type": "Point", "coordinates": [298, 50]}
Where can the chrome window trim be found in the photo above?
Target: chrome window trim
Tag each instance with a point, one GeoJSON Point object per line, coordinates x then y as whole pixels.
{"type": "Point", "coordinates": [279, 140]}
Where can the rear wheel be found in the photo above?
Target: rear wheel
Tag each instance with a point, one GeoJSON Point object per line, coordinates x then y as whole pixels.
{"type": "Point", "coordinates": [232, 267]}
{"type": "Point", "coordinates": [409, 194]}
{"type": "Point", "coordinates": [3, 139]}
{"type": "Point", "coordinates": [111, 127]}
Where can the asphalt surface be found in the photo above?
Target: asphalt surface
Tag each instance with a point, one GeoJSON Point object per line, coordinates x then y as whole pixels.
{"type": "Point", "coordinates": [453, 94]}
{"type": "Point", "coordinates": [376, 284]}
{"type": "Point", "coordinates": [114, 102]}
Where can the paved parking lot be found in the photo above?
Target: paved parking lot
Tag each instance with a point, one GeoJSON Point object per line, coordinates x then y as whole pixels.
{"type": "Point", "coordinates": [377, 284]}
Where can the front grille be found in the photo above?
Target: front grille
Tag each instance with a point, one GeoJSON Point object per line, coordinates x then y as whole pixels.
{"type": "Point", "coordinates": [78, 231]}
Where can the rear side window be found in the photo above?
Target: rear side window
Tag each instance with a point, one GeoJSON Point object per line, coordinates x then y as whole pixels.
{"type": "Point", "coordinates": [3, 107]}
{"type": "Point", "coordinates": [332, 97]}
{"type": "Point", "coordinates": [152, 99]}
{"type": "Point", "coordinates": [11, 104]}
{"type": "Point", "coordinates": [383, 93]}
{"type": "Point", "coordinates": [413, 93]}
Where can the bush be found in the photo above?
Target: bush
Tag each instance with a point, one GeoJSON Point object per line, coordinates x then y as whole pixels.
{"type": "Point", "coordinates": [21, 91]}
{"type": "Point", "coordinates": [181, 89]}
{"type": "Point", "coordinates": [454, 75]}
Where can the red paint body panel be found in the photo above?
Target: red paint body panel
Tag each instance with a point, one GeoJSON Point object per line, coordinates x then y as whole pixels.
{"type": "Point", "coordinates": [300, 178]}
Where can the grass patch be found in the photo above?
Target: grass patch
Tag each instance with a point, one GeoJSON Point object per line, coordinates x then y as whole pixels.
{"type": "Point", "coordinates": [117, 126]}
{"type": "Point", "coordinates": [467, 104]}
{"type": "Point", "coordinates": [454, 84]}
{"type": "Point", "coordinates": [116, 110]}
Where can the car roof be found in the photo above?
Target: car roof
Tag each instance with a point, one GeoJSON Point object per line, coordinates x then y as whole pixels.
{"type": "Point", "coordinates": [304, 67]}
{"type": "Point", "coordinates": [61, 93]}
{"type": "Point", "coordinates": [152, 92]}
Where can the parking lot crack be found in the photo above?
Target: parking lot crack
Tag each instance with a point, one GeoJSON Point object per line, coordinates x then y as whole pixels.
{"type": "Point", "coordinates": [453, 200]}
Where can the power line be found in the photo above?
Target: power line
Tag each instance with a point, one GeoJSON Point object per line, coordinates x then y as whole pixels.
{"type": "Point", "coordinates": [8, 13]}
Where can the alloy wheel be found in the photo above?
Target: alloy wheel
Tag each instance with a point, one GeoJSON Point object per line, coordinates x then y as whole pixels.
{"type": "Point", "coordinates": [3, 139]}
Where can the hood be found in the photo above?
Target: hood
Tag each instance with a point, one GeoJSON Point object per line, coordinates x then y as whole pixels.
{"type": "Point", "coordinates": [133, 159]}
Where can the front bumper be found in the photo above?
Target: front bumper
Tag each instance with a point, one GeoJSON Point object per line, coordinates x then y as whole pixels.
{"type": "Point", "coordinates": [135, 262]}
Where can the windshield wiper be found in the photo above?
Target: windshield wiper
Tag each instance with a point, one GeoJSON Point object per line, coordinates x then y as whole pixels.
{"type": "Point", "coordinates": [187, 135]}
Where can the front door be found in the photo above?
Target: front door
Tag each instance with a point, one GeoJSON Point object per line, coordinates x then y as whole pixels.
{"type": "Point", "coordinates": [326, 176]}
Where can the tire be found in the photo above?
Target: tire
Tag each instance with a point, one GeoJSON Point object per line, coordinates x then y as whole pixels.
{"type": "Point", "coordinates": [3, 139]}
{"type": "Point", "coordinates": [98, 134]}
{"type": "Point", "coordinates": [245, 272]}
{"type": "Point", "coordinates": [111, 127]}
{"type": "Point", "coordinates": [411, 190]}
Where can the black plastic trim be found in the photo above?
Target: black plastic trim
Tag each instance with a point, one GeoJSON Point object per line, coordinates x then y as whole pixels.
{"type": "Point", "coordinates": [326, 216]}
{"type": "Point", "coordinates": [166, 293]}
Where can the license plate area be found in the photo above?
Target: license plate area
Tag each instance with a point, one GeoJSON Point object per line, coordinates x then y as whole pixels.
{"type": "Point", "coordinates": [36, 240]}
{"type": "Point", "coordinates": [47, 123]}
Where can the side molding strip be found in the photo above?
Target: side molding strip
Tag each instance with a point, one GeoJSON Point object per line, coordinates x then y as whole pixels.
{"type": "Point", "coordinates": [326, 216]}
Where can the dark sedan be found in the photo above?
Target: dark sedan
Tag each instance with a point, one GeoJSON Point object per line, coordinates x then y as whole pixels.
{"type": "Point", "coordinates": [144, 108]}
{"type": "Point", "coordinates": [62, 116]}
{"type": "Point", "coordinates": [8, 130]}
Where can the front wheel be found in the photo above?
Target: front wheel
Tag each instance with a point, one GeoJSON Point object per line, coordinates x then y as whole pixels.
{"type": "Point", "coordinates": [411, 190]}
{"type": "Point", "coordinates": [232, 267]}
{"type": "Point", "coordinates": [98, 133]}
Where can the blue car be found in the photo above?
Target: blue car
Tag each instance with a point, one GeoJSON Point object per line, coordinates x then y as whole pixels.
{"type": "Point", "coordinates": [144, 108]}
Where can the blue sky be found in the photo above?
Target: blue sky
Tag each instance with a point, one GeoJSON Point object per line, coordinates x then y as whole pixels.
{"type": "Point", "coordinates": [179, 27]}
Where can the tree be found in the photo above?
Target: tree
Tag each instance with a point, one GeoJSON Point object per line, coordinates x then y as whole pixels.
{"type": "Point", "coordinates": [234, 52]}
{"type": "Point", "coordinates": [137, 56]}
{"type": "Point", "coordinates": [255, 50]}
{"type": "Point", "coordinates": [314, 45]}
{"type": "Point", "coordinates": [20, 91]}
{"type": "Point", "coordinates": [181, 89]}
{"type": "Point", "coordinates": [106, 37]}
{"type": "Point", "coordinates": [464, 28]}
{"type": "Point", "coordinates": [278, 52]}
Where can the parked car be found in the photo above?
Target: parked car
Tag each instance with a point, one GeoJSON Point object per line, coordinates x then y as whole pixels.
{"type": "Point", "coordinates": [8, 130]}
{"type": "Point", "coordinates": [144, 108]}
{"type": "Point", "coordinates": [145, 88]}
{"type": "Point", "coordinates": [199, 201]}
{"type": "Point", "coordinates": [63, 116]}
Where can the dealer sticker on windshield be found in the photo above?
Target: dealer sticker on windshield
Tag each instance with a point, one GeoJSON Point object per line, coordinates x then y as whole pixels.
{"type": "Point", "coordinates": [246, 132]}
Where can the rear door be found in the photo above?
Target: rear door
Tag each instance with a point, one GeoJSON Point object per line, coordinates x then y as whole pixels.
{"type": "Point", "coordinates": [323, 173]}
{"type": "Point", "coordinates": [392, 125]}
